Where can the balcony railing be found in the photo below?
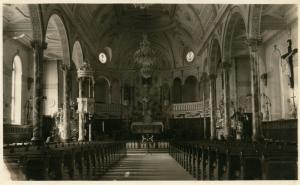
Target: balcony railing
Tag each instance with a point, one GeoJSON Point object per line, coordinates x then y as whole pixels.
{"type": "Point", "coordinates": [16, 133]}
{"type": "Point", "coordinates": [107, 109]}
{"type": "Point", "coordinates": [191, 109]}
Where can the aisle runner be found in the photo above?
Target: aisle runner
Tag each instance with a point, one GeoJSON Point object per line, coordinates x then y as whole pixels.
{"type": "Point", "coordinates": [147, 167]}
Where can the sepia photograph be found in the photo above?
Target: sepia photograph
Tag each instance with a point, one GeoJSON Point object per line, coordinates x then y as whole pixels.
{"type": "Point", "coordinates": [149, 91]}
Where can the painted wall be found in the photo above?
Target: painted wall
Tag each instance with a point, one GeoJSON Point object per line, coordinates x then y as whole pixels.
{"type": "Point", "coordinates": [278, 90]}
{"type": "Point", "coordinates": [243, 83]}
{"type": "Point", "coordinates": [50, 87]}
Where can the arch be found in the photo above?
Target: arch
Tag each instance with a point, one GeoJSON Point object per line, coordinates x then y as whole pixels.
{"type": "Point", "coordinates": [102, 90]}
{"type": "Point", "coordinates": [254, 25]}
{"type": "Point", "coordinates": [236, 52]}
{"type": "Point", "coordinates": [103, 77]}
{"type": "Point", "coordinates": [214, 56]}
{"type": "Point", "coordinates": [190, 90]}
{"type": "Point", "coordinates": [36, 21]}
{"type": "Point", "coordinates": [16, 91]}
{"type": "Point", "coordinates": [56, 21]}
{"type": "Point", "coordinates": [77, 54]}
{"type": "Point", "coordinates": [177, 90]}
{"type": "Point", "coordinates": [234, 16]}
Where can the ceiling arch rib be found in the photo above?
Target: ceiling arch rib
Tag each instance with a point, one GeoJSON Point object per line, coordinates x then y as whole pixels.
{"type": "Point", "coordinates": [116, 25]}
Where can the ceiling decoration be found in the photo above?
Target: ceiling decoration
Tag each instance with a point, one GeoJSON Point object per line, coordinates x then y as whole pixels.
{"type": "Point", "coordinates": [169, 27]}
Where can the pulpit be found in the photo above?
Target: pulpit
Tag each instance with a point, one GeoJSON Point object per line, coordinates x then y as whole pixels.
{"type": "Point", "coordinates": [86, 105]}
{"type": "Point", "coordinates": [86, 99]}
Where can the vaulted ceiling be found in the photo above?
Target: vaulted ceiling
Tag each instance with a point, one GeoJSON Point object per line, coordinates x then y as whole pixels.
{"type": "Point", "coordinates": [171, 29]}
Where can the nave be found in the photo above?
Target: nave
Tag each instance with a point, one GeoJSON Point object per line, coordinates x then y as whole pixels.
{"type": "Point", "coordinates": [209, 89]}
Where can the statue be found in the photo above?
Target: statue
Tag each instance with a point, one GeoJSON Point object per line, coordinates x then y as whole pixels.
{"type": "Point", "coordinates": [293, 107]}
{"type": "Point", "coordinates": [289, 59]}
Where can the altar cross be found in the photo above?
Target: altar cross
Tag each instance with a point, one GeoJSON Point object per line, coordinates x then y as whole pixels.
{"type": "Point", "coordinates": [289, 58]}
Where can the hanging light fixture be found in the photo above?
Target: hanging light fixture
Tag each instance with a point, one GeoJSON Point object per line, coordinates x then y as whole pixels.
{"type": "Point", "coordinates": [145, 58]}
{"type": "Point", "coordinates": [142, 6]}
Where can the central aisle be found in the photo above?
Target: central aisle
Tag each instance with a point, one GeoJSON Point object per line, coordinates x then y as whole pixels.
{"type": "Point", "coordinates": [157, 166]}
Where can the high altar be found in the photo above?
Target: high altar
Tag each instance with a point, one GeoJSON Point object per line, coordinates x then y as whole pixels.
{"type": "Point", "coordinates": [147, 104]}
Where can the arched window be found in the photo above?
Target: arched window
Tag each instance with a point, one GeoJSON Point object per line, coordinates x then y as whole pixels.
{"type": "Point", "coordinates": [16, 91]}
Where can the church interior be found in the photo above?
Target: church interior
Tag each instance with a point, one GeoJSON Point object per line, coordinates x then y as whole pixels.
{"type": "Point", "coordinates": [150, 91]}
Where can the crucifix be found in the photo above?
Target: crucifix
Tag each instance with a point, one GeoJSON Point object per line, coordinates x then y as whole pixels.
{"type": "Point", "coordinates": [289, 58]}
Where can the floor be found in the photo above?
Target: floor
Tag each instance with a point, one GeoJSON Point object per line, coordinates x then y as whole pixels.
{"type": "Point", "coordinates": [143, 166]}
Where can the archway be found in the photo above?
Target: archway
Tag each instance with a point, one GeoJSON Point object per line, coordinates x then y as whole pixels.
{"type": "Point", "coordinates": [56, 65]}
{"type": "Point", "coordinates": [102, 86]}
{"type": "Point", "coordinates": [56, 60]}
{"type": "Point", "coordinates": [237, 55]}
{"type": "Point", "coordinates": [177, 91]}
{"type": "Point", "coordinates": [190, 90]}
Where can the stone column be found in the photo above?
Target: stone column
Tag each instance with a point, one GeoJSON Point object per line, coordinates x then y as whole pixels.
{"type": "Point", "coordinates": [80, 115]}
{"type": "Point", "coordinates": [226, 68]}
{"type": "Point", "coordinates": [66, 103]}
{"type": "Point", "coordinates": [255, 89]}
{"type": "Point", "coordinates": [38, 49]}
{"type": "Point", "coordinates": [204, 105]}
{"type": "Point", "coordinates": [213, 105]}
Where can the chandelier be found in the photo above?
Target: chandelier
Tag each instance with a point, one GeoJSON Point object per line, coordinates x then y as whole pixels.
{"type": "Point", "coordinates": [145, 58]}
{"type": "Point", "coordinates": [142, 6]}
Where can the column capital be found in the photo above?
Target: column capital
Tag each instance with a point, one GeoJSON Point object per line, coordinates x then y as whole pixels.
{"type": "Point", "coordinates": [253, 43]}
{"type": "Point", "coordinates": [35, 44]}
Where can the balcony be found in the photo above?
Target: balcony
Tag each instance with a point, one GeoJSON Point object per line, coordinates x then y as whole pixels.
{"type": "Point", "coordinates": [107, 110]}
{"type": "Point", "coordinates": [16, 133]}
{"type": "Point", "coordinates": [191, 110]}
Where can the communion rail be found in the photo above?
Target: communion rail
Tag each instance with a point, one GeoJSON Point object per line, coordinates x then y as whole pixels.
{"type": "Point", "coordinates": [62, 161]}
{"type": "Point", "coordinates": [224, 160]}
{"type": "Point", "coordinates": [158, 146]}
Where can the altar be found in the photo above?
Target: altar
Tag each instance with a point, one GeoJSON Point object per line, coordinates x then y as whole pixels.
{"type": "Point", "coordinates": [147, 128]}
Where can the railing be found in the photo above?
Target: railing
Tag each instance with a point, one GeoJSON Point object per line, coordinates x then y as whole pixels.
{"type": "Point", "coordinates": [107, 109]}
{"type": "Point", "coordinates": [191, 109]}
{"type": "Point", "coordinates": [133, 145]}
{"type": "Point", "coordinates": [16, 133]}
